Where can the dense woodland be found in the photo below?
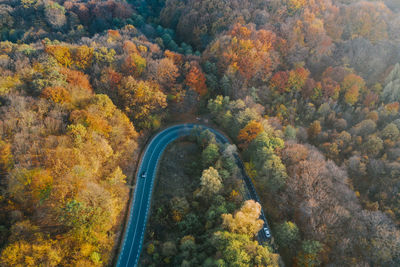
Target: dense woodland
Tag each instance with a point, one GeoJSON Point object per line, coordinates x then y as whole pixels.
{"type": "Point", "coordinates": [207, 221]}
{"type": "Point", "coordinates": [308, 90]}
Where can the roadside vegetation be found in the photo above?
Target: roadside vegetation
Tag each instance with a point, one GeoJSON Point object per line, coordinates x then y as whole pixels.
{"type": "Point", "coordinates": [199, 215]}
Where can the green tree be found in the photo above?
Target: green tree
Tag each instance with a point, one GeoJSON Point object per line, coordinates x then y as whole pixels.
{"type": "Point", "coordinates": [190, 224]}
{"type": "Point", "coordinates": [390, 132]}
{"type": "Point", "coordinates": [373, 146]}
{"type": "Point", "coordinates": [308, 256]}
{"type": "Point", "coordinates": [287, 234]}
{"type": "Point", "coordinates": [168, 248]}
{"type": "Point", "coordinates": [391, 92]}
{"type": "Point", "coordinates": [273, 173]}
{"type": "Point", "coordinates": [290, 132]}
{"type": "Point", "coordinates": [210, 154]}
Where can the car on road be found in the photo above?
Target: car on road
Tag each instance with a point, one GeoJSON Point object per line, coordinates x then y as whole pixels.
{"type": "Point", "coordinates": [144, 174]}
{"type": "Point", "coordinates": [267, 232]}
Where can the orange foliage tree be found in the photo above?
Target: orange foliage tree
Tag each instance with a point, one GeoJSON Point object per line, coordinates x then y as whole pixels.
{"type": "Point", "coordinates": [111, 78]}
{"type": "Point", "coordinates": [249, 50]}
{"type": "Point", "coordinates": [279, 81]}
{"type": "Point", "coordinates": [57, 94]}
{"type": "Point", "coordinates": [249, 132]}
{"type": "Point", "coordinates": [129, 47]}
{"type": "Point", "coordinates": [114, 34]}
{"type": "Point", "coordinates": [77, 79]}
{"type": "Point", "coordinates": [196, 80]}
{"type": "Point", "coordinates": [177, 58]}
{"type": "Point", "coordinates": [245, 50]}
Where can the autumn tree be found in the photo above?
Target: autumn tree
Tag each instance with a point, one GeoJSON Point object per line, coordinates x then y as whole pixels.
{"type": "Point", "coordinates": [140, 99]}
{"type": "Point", "coordinates": [56, 94]}
{"type": "Point", "coordinates": [279, 81]}
{"type": "Point", "coordinates": [82, 56]}
{"type": "Point", "coordinates": [78, 79]}
{"type": "Point", "coordinates": [295, 5]}
{"type": "Point", "coordinates": [34, 185]}
{"type": "Point", "coordinates": [366, 19]}
{"type": "Point", "coordinates": [210, 182]}
{"type": "Point", "coordinates": [244, 54]}
{"type": "Point", "coordinates": [373, 146]}
{"type": "Point", "coordinates": [39, 251]}
{"type": "Point", "coordinates": [133, 64]}
{"type": "Point", "coordinates": [240, 250]}
{"type": "Point", "coordinates": [330, 88]}
{"type": "Point", "coordinates": [352, 85]}
{"type": "Point", "coordinates": [245, 221]}
{"type": "Point", "coordinates": [248, 133]}
{"type": "Point", "coordinates": [314, 130]}
{"type": "Point", "coordinates": [167, 72]}
{"type": "Point", "coordinates": [6, 161]}
{"type": "Point", "coordinates": [196, 80]}
{"type": "Point", "coordinates": [236, 245]}
{"type": "Point", "coordinates": [61, 53]}
{"type": "Point", "coordinates": [297, 78]}
{"type": "Point", "coordinates": [390, 132]}
{"type": "Point", "coordinates": [289, 81]}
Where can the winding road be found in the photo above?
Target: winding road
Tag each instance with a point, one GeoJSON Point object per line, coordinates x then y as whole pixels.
{"type": "Point", "coordinates": [136, 228]}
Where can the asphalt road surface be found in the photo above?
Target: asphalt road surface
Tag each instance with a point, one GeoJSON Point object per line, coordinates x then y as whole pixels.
{"type": "Point", "coordinates": [136, 228]}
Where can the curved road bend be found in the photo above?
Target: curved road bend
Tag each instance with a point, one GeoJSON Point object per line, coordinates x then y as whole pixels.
{"type": "Point", "coordinates": [136, 228]}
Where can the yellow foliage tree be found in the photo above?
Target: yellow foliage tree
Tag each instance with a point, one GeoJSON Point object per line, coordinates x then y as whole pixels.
{"type": "Point", "coordinates": [61, 53]}
{"type": "Point", "coordinates": [246, 220]}
{"type": "Point", "coordinates": [5, 158]}
{"type": "Point", "coordinates": [352, 85]}
{"type": "Point", "coordinates": [40, 252]}
{"type": "Point", "coordinates": [82, 56]}
{"type": "Point", "coordinates": [295, 5]}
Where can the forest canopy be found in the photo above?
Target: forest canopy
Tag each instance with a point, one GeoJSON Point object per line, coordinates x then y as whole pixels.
{"type": "Point", "coordinates": [307, 90]}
